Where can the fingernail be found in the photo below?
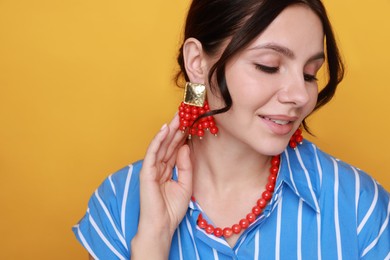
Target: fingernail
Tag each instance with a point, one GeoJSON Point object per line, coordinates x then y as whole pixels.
{"type": "Point", "coordinates": [163, 127]}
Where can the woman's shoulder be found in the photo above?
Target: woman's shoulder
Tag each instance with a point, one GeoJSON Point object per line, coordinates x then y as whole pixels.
{"type": "Point", "coordinates": [112, 216]}
{"type": "Point", "coordinates": [323, 164]}
{"type": "Point", "coordinates": [327, 172]}
{"type": "Point", "coordinates": [125, 178]}
{"type": "Point", "coordinates": [332, 173]}
{"type": "Point", "coordinates": [344, 194]}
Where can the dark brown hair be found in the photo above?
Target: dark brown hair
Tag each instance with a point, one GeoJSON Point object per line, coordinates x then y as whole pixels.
{"type": "Point", "coordinates": [213, 21]}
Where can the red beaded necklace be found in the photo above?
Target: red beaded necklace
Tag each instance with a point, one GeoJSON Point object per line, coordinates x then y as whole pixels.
{"type": "Point", "coordinates": [251, 216]}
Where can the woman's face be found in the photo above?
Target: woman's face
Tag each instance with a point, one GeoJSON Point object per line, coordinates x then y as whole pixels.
{"type": "Point", "coordinates": [273, 83]}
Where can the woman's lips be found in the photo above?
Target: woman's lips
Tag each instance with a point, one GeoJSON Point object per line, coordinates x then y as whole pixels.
{"type": "Point", "coordinates": [278, 121]}
{"type": "Point", "coordinates": [279, 125]}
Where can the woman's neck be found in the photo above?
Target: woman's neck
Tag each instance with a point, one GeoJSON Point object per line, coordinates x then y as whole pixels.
{"type": "Point", "coordinates": [228, 179]}
{"type": "Point", "coordinates": [223, 167]}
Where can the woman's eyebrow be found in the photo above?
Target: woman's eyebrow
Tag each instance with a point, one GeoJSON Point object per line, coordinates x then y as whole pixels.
{"type": "Point", "coordinates": [286, 51]}
{"type": "Point", "coordinates": [275, 47]}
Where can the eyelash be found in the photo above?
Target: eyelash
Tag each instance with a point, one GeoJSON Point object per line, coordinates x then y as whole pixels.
{"type": "Point", "coordinates": [272, 70]}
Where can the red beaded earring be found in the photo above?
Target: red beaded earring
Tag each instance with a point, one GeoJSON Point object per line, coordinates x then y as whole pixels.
{"type": "Point", "coordinates": [194, 106]}
{"type": "Point", "coordinates": [296, 139]}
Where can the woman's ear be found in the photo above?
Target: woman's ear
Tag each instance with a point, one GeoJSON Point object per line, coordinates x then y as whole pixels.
{"type": "Point", "coordinates": [194, 61]}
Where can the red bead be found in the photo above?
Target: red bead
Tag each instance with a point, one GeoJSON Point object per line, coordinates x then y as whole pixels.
{"type": "Point", "coordinates": [187, 110]}
{"type": "Point", "coordinates": [236, 228]}
{"type": "Point", "coordinates": [218, 232]}
{"type": "Point", "coordinates": [299, 139]}
{"type": "Point", "coordinates": [251, 217]}
{"type": "Point", "coordinates": [262, 203]}
{"type": "Point", "coordinates": [298, 132]}
{"type": "Point", "coordinates": [193, 131]}
{"type": "Point", "coordinates": [214, 130]}
{"type": "Point", "coordinates": [212, 123]}
{"type": "Point", "coordinates": [202, 223]}
{"type": "Point", "coordinates": [244, 223]}
{"type": "Point", "coordinates": [274, 170]}
{"type": "Point", "coordinates": [201, 111]}
{"type": "Point", "coordinates": [206, 106]}
{"type": "Point", "coordinates": [200, 133]}
{"type": "Point", "coordinates": [181, 114]}
{"type": "Point", "coordinates": [266, 195]}
{"type": "Point", "coordinates": [209, 229]}
{"type": "Point", "coordinates": [187, 116]}
{"type": "Point", "coordinates": [293, 144]}
{"type": "Point", "coordinates": [275, 161]}
{"type": "Point", "coordinates": [182, 128]}
{"type": "Point", "coordinates": [272, 178]}
{"type": "Point", "coordinates": [227, 232]}
{"type": "Point", "coordinates": [185, 123]}
{"type": "Point", "coordinates": [270, 187]}
{"type": "Point", "coordinates": [256, 210]}
{"type": "Point", "coordinates": [194, 110]}
{"type": "Point", "coordinates": [206, 124]}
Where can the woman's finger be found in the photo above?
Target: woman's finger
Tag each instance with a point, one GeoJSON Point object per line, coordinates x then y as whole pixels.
{"type": "Point", "coordinates": [176, 142]}
{"type": "Point", "coordinates": [173, 128]}
{"type": "Point", "coordinates": [154, 147]}
{"type": "Point", "coordinates": [184, 168]}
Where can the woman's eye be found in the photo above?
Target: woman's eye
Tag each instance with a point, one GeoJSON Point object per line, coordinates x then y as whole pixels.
{"type": "Point", "coordinates": [267, 69]}
{"type": "Point", "coordinates": [309, 78]}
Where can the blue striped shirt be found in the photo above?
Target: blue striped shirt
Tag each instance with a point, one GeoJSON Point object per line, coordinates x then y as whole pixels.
{"type": "Point", "coordinates": [322, 208]}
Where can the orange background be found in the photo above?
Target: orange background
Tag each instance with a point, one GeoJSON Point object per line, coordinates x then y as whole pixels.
{"type": "Point", "coordinates": [84, 85]}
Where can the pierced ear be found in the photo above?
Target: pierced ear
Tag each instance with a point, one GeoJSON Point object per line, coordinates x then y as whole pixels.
{"type": "Point", "coordinates": [194, 61]}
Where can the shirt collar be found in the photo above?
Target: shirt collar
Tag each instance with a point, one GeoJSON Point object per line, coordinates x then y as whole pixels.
{"type": "Point", "coordinates": [299, 173]}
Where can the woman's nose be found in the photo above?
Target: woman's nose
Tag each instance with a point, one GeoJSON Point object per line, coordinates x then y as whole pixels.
{"type": "Point", "coordinates": [295, 91]}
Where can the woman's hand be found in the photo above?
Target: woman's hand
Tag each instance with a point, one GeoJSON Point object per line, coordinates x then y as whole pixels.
{"type": "Point", "coordinates": [163, 202]}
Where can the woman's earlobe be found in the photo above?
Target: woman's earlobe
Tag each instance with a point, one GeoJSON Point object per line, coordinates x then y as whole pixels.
{"type": "Point", "coordinates": [194, 60]}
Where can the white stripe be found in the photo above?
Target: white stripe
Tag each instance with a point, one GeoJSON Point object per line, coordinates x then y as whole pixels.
{"type": "Point", "coordinates": [319, 257]}
{"type": "Point", "coordinates": [124, 201]}
{"type": "Point", "coordinates": [388, 256]}
{"type": "Point", "coordinates": [121, 238]}
{"type": "Point", "coordinates": [336, 209]}
{"type": "Point", "coordinates": [370, 210]}
{"type": "Point", "coordinates": [257, 244]}
{"type": "Point", "coordinates": [299, 230]}
{"type": "Point", "coordinates": [85, 244]}
{"type": "Point", "coordinates": [215, 253]}
{"type": "Point", "coordinates": [319, 168]}
{"type": "Point", "coordinates": [278, 228]}
{"type": "Point", "coordinates": [383, 227]}
{"type": "Point", "coordinates": [192, 237]}
{"type": "Point", "coordinates": [112, 184]}
{"type": "Point", "coordinates": [310, 186]}
{"type": "Point", "coordinates": [179, 242]}
{"type": "Point", "coordinates": [291, 176]}
{"type": "Point", "coordinates": [239, 245]}
{"type": "Point", "coordinates": [105, 240]}
{"type": "Point", "coordinates": [357, 191]}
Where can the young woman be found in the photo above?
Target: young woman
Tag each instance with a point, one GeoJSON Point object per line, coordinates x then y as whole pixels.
{"type": "Point", "coordinates": [249, 186]}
